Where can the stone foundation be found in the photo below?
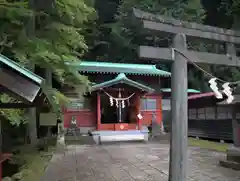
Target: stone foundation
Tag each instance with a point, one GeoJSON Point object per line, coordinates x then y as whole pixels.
{"type": "Point", "coordinates": [233, 159]}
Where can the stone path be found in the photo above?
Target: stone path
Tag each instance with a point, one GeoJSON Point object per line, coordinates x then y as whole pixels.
{"type": "Point", "coordinates": [135, 162]}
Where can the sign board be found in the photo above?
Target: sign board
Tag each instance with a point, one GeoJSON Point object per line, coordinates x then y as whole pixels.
{"type": "Point", "coordinates": [19, 85]}
{"type": "Point", "coordinates": [75, 104]}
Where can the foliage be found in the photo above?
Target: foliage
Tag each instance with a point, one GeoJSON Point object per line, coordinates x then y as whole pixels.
{"type": "Point", "coordinates": [16, 116]}
{"type": "Point", "coordinates": [231, 7]}
{"type": "Point", "coordinates": [235, 7]}
{"type": "Point", "coordinates": [125, 36]}
{"type": "Point", "coordinates": [225, 14]}
{"type": "Point", "coordinates": [122, 35]}
{"type": "Point", "coordinates": [48, 37]}
{"type": "Point", "coordinates": [32, 163]}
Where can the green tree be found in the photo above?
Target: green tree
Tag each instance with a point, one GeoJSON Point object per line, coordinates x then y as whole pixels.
{"type": "Point", "coordinates": [123, 35]}
{"type": "Point", "coordinates": [59, 34]}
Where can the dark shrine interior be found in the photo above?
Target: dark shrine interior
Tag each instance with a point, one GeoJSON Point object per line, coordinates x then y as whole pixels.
{"type": "Point", "coordinates": [110, 114]}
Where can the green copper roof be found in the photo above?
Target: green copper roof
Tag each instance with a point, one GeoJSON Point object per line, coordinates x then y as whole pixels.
{"type": "Point", "coordinates": [189, 90]}
{"type": "Point", "coordinates": [106, 67]}
{"type": "Point", "coordinates": [121, 79]}
{"type": "Point", "coordinates": [17, 67]}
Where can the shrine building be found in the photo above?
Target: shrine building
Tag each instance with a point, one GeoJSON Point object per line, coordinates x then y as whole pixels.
{"type": "Point", "coordinates": [123, 100]}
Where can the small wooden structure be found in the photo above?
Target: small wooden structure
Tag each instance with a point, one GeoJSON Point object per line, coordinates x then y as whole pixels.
{"type": "Point", "coordinates": [20, 83]}
{"type": "Point", "coordinates": [235, 117]}
{"type": "Point", "coordinates": [233, 154]}
{"type": "Point", "coordinates": [208, 119]}
{"type": "Point", "coordinates": [212, 118]}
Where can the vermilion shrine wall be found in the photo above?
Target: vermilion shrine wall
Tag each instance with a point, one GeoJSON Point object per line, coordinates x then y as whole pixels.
{"type": "Point", "coordinates": [148, 114]}
{"type": "Point", "coordinates": [88, 117]}
{"type": "Point", "coordinates": [85, 118]}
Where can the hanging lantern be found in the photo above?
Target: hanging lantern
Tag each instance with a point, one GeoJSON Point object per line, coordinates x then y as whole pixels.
{"type": "Point", "coordinates": [123, 104]}
{"type": "Point", "coordinates": [116, 103]}
{"type": "Point", "coordinates": [111, 101]}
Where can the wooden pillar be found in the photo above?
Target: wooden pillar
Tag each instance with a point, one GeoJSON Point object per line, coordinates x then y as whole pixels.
{"type": "Point", "coordinates": [179, 123]}
{"type": "Point", "coordinates": [98, 111]}
{"type": "Point", "coordinates": [138, 103]}
{"type": "Point", "coordinates": [48, 77]}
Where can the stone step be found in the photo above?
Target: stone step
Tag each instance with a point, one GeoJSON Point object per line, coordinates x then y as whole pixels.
{"type": "Point", "coordinates": [121, 137]}
{"type": "Point", "coordinates": [235, 158]}
{"type": "Point", "coordinates": [79, 140]}
{"type": "Point", "coordinates": [230, 164]}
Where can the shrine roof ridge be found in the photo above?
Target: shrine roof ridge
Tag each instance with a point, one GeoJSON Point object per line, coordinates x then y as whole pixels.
{"type": "Point", "coordinates": [122, 79]}
{"type": "Point", "coordinates": [116, 68]}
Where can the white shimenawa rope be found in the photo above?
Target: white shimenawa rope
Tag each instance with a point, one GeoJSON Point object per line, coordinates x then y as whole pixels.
{"type": "Point", "coordinates": [119, 99]}
{"type": "Point", "coordinates": [200, 68]}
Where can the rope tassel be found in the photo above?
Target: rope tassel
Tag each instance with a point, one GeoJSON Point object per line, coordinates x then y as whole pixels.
{"type": "Point", "coordinates": [123, 104]}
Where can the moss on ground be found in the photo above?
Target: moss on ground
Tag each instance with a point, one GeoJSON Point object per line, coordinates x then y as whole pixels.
{"type": "Point", "coordinates": [211, 145]}
{"type": "Point", "coordinates": [33, 163]}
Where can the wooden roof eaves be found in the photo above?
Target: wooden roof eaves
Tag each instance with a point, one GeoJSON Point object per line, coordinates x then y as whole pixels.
{"type": "Point", "coordinates": [141, 74]}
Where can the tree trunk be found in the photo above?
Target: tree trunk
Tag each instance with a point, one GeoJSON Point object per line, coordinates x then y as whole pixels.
{"type": "Point", "coordinates": [48, 77]}
{"type": "Point", "coordinates": [31, 112]}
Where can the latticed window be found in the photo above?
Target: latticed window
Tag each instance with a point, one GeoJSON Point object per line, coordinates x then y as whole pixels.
{"type": "Point", "coordinates": [201, 113]}
{"type": "Point", "coordinates": [192, 114]}
{"type": "Point", "coordinates": [210, 113]}
{"type": "Point", "coordinates": [148, 104]}
{"type": "Point", "coordinates": [222, 113]}
{"type": "Point", "coordinates": [229, 113]}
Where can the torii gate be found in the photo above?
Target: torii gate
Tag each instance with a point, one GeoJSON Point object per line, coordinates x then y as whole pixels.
{"type": "Point", "coordinates": [179, 55]}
